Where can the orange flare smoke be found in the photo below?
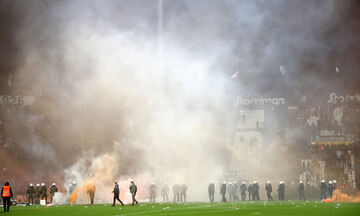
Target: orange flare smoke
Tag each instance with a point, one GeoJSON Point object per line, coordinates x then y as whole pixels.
{"type": "Point", "coordinates": [90, 188]}
{"type": "Point", "coordinates": [21, 198]}
{"type": "Point", "coordinates": [341, 197]}
{"type": "Point", "coordinates": [74, 195]}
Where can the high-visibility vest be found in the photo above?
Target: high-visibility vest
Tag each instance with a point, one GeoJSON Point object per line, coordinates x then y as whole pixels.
{"type": "Point", "coordinates": [6, 191]}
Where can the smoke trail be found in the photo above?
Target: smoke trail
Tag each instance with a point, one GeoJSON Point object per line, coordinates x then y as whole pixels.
{"type": "Point", "coordinates": [341, 197]}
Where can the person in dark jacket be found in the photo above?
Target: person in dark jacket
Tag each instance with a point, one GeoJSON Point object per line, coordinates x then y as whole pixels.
{"type": "Point", "coordinates": [116, 193]}
{"type": "Point", "coordinates": [281, 191]}
{"type": "Point", "coordinates": [334, 184]}
{"type": "Point", "coordinates": [243, 189]}
{"type": "Point", "coordinates": [53, 190]}
{"type": "Point", "coordinates": [301, 190]}
{"type": "Point", "coordinates": [6, 194]}
{"type": "Point", "coordinates": [43, 192]}
{"type": "Point", "coordinates": [211, 191]}
{"type": "Point", "coordinates": [323, 189]}
{"type": "Point", "coordinates": [255, 190]}
{"type": "Point", "coordinates": [235, 190]}
{"type": "Point", "coordinates": [30, 191]}
{"type": "Point", "coordinates": [133, 191]}
{"type": "Point", "coordinates": [37, 194]}
{"type": "Point", "coordinates": [223, 191]}
{"type": "Point", "coordinates": [250, 191]}
{"type": "Point", "coordinates": [268, 188]}
{"type": "Point", "coordinates": [331, 189]}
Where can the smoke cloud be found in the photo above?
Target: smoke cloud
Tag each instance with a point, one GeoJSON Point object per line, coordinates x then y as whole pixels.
{"type": "Point", "coordinates": [111, 106]}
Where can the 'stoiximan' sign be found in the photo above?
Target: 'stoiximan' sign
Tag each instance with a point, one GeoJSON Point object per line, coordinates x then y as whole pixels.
{"type": "Point", "coordinates": [333, 140]}
{"type": "Point", "coordinates": [241, 101]}
{"type": "Point", "coordinates": [348, 98]}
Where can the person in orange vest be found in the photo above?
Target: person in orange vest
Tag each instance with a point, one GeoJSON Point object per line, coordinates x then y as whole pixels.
{"type": "Point", "coordinates": [6, 194]}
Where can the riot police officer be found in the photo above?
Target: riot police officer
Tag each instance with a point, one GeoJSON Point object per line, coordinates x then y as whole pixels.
{"type": "Point", "coordinates": [243, 191]}
{"type": "Point", "coordinates": [211, 190]}
{"type": "Point", "coordinates": [268, 188]}
{"type": "Point", "coordinates": [30, 192]}
{"type": "Point", "coordinates": [323, 189]}
{"type": "Point", "coordinates": [331, 189]}
{"type": "Point", "coordinates": [223, 191]}
{"type": "Point", "coordinates": [255, 189]}
{"type": "Point", "coordinates": [165, 192]}
{"type": "Point", "coordinates": [281, 190]}
{"type": "Point", "coordinates": [301, 190]}
{"type": "Point", "coordinates": [152, 191]}
{"type": "Point", "coordinates": [183, 189]}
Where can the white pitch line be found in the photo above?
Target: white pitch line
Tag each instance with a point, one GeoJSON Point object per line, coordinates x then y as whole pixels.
{"type": "Point", "coordinates": [164, 211]}
{"type": "Point", "coordinates": [188, 213]}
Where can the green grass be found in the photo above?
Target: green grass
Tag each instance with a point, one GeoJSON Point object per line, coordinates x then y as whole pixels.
{"type": "Point", "coordinates": [275, 208]}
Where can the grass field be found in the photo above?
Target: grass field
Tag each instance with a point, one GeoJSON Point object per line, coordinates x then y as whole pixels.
{"type": "Point", "coordinates": [236, 208]}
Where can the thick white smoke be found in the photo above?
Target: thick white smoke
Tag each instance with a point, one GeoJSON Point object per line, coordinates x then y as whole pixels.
{"type": "Point", "coordinates": [116, 115]}
{"type": "Point", "coordinates": [169, 116]}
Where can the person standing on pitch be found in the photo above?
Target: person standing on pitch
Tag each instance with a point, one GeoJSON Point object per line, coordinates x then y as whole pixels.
{"type": "Point", "coordinates": [334, 184]}
{"type": "Point", "coordinates": [268, 188]}
{"type": "Point", "coordinates": [230, 191]}
{"type": "Point", "coordinates": [281, 190]}
{"type": "Point", "coordinates": [176, 192]}
{"type": "Point", "coordinates": [53, 190]}
{"type": "Point", "coordinates": [70, 189]}
{"type": "Point", "coordinates": [165, 192]}
{"type": "Point", "coordinates": [30, 192]}
{"type": "Point", "coordinates": [73, 187]}
{"type": "Point", "coordinates": [243, 191]}
{"type": "Point", "coordinates": [235, 189]}
{"type": "Point", "coordinates": [323, 189]}
{"type": "Point", "coordinates": [116, 193]}
{"type": "Point", "coordinates": [6, 194]}
{"type": "Point", "coordinates": [183, 189]}
{"type": "Point", "coordinates": [133, 190]}
{"type": "Point", "coordinates": [37, 194]}
{"type": "Point", "coordinates": [223, 191]}
{"type": "Point", "coordinates": [255, 189]}
{"type": "Point", "coordinates": [43, 192]}
{"type": "Point", "coordinates": [250, 191]}
{"type": "Point", "coordinates": [91, 189]}
{"type": "Point", "coordinates": [331, 189]}
{"type": "Point", "coordinates": [211, 190]}
{"type": "Point", "coordinates": [301, 190]}
{"type": "Point", "coordinates": [152, 191]}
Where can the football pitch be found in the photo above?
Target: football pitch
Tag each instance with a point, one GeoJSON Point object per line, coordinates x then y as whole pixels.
{"type": "Point", "coordinates": [235, 208]}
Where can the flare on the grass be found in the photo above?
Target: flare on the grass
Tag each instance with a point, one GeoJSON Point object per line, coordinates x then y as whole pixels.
{"type": "Point", "coordinates": [74, 195]}
{"type": "Point", "coordinates": [341, 197]}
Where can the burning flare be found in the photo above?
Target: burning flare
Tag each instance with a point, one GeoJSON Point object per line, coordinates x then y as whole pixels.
{"type": "Point", "coordinates": [86, 188]}
{"type": "Point", "coordinates": [21, 199]}
{"type": "Point", "coordinates": [74, 195]}
{"type": "Point", "coordinates": [341, 197]}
